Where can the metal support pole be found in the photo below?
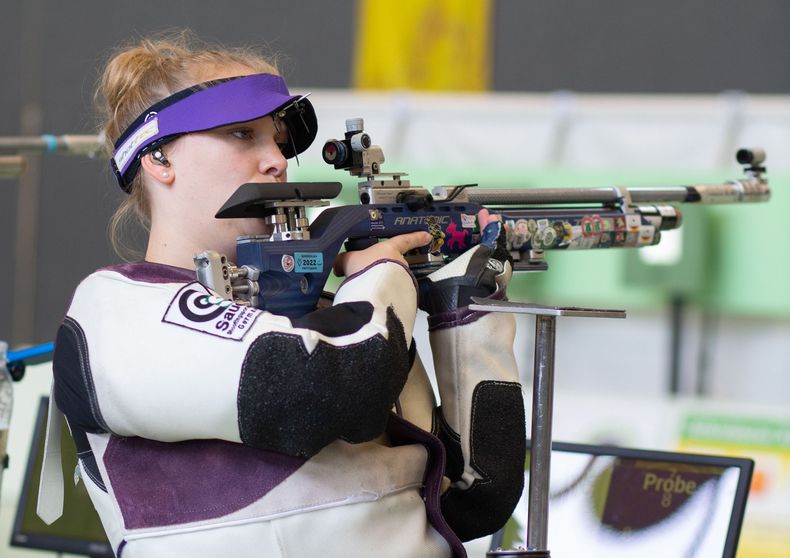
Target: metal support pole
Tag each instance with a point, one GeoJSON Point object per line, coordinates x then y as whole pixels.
{"type": "Point", "coordinates": [540, 454]}
{"type": "Point", "coordinates": [677, 313]}
{"type": "Point", "coordinates": [542, 407]}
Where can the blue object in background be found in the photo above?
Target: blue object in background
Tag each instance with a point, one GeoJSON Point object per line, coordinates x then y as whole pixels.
{"type": "Point", "coordinates": [32, 355]}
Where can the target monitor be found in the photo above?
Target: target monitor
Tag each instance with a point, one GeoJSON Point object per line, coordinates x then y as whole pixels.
{"type": "Point", "coordinates": [615, 502]}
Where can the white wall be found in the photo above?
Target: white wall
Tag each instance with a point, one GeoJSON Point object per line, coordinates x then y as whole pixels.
{"type": "Point", "coordinates": [578, 130]}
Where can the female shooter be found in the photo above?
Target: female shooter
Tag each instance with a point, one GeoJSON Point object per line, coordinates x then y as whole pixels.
{"type": "Point", "coordinates": [209, 429]}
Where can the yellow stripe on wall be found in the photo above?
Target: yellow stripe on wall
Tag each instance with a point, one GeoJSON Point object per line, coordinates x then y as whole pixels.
{"type": "Point", "coordinates": [423, 44]}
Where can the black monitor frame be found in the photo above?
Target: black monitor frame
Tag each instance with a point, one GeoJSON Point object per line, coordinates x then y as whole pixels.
{"type": "Point", "coordinates": [745, 465]}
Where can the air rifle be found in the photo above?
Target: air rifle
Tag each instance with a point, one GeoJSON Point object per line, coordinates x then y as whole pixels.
{"type": "Point", "coordinates": [285, 272]}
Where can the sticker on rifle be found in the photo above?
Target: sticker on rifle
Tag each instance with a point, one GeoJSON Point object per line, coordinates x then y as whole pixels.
{"type": "Point", "coordinates": [468, 221]}
{"type": "Point", "coordinates": [436, 245]}
{"type": "Point", "coordinates": [598, 226]}
{"type": "Point", "coordinates": [646, 235]}
{"type": "Point", "coordinates": [519, 233]}
{"type": "Point", "coordinates": [633, 222]}
{"type": "Point", "coordinates": [548, 237]}
{"type": "Point", "coordinates": [562, 233]}
{"type": "Point", "coordinates": [195, 307]}
{"type": "Point", "coordinates": [587, 226]}
{"type": "Point", "coordinates": [457, 238]}
{"type": "Point", "coordinates": [592, 225]}
{"type": "Point", "coordinates": [287, 263]}
{"type": "Point", "coordinates": [309, 262]}
{"type": "Point", "coordinates": [568, 232]}
{"type": "Point", "coordinates": [579, 240]}
{"type": "Point", "coordinates": [376, 219]}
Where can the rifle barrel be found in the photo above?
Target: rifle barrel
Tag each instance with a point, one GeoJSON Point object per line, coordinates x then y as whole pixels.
{"type": "Point", "coordinates": [736, 191]}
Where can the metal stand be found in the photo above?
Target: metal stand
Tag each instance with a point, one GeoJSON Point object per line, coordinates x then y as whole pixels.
{"type": "Point", "coordinates": [542, 406]}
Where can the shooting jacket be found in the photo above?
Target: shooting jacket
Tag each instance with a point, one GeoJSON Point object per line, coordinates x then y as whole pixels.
{"type": "Point", "coordinates": [205, 429]}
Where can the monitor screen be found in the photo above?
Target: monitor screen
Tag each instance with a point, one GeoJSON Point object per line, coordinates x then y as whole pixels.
{"type": "Point", "coordinates": [616, 502]}
{"type": "Point", "coordinates": [79, 530]}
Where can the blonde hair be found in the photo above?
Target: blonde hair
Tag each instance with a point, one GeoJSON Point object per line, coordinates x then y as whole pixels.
{"type": "Point", "coordinates": [142, 73]}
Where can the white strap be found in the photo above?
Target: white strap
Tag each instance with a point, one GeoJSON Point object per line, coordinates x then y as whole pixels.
{"type": "Point", "coordinates": [50, 490]}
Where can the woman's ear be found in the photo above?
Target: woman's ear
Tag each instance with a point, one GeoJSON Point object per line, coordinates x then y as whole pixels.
{"type": "Point", "coordinates": [160, 172]}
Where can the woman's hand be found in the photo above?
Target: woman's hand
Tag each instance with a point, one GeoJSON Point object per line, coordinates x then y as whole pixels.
{"type": "Point", "coordinates": [480, 271]}
{"type": "Point", "coordinates": [484, 218]}
{"type": "Point", "coordinates": [393, 248]}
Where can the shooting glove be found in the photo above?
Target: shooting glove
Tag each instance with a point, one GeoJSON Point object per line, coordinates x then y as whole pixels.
{"type": "Point", "coordinates": [480, 271]}
{"type": "Point", "coordinates": [481, 418]}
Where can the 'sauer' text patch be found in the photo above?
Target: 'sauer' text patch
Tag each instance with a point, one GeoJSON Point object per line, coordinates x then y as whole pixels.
{"type": "Point", "coordinates": [197, 308]}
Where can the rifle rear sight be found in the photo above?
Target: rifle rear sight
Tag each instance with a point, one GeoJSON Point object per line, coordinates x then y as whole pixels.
{"type": "Point", "coordinates": [357, 154]}
{"type": "Point", "coordinates": [752, 159]}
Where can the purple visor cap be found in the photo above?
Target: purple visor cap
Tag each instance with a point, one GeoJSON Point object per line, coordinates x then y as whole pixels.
{"type": "Point", "coordinates": [209, 105]}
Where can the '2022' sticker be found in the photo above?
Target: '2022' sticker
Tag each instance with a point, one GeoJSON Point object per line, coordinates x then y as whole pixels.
{"type": "Point", "coordinates": [309, 262]}
{"type": "Point", "coordinates": [195, 307]}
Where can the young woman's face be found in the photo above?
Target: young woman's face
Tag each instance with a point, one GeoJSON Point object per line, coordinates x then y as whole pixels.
{"type": "Point", "coordinates": [209, 166]}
